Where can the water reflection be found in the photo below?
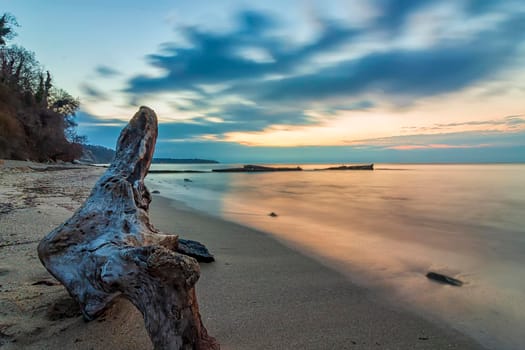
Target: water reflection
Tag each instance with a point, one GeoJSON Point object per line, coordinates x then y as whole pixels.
{"type": "Point", "coordinates": [387, 228]}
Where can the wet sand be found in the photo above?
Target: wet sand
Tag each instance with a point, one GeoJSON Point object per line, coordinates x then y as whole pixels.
{"type": "Point", "coordinates": [258, 294]}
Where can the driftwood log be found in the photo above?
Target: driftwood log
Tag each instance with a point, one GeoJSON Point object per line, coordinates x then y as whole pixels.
{"type": "Point", "coordinates": [109, 248]}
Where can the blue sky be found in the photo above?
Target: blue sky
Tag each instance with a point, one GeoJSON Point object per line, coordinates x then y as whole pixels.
{"type": "Point", "coordinates": [293, 81]}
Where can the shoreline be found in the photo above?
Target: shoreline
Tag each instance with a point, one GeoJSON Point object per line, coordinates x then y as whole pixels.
{"type": "Point", "coordinates": [286, 289]}
{"type": "Point", "coordinates": [258, 294]}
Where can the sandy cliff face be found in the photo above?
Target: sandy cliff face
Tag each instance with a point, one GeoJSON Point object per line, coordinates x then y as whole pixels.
{"type": "Point", "coordinates": [31, 132]}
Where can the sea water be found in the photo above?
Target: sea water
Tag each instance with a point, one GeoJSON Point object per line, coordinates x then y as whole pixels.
{"type": "Point", "coordinates": [385, 229]}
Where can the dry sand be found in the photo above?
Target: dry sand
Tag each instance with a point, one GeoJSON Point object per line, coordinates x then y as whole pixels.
{"type": "Point", "coordinates": [259, 294]}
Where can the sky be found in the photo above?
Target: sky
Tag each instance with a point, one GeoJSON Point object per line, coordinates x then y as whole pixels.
{"type": "Point", "coordinates": [293, 81]}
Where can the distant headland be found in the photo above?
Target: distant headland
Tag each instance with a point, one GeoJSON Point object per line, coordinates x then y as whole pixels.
{"type": "Point", "coordinates": [102, 155]}
{"type": "Point", "coordinates": [184, 161]}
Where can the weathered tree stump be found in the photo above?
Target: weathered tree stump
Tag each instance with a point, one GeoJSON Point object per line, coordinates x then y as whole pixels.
{"type": "Point", "coordinates": [109, 248]}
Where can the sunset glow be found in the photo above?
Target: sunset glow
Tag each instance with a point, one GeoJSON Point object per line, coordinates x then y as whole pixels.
{"type": "Point", "coordinates": [365, 73]}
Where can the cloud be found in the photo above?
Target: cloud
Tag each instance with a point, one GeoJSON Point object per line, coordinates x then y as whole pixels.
{"type": "Point", "coordinates": [215, 57]}
{"type": "Point", "coordinates": [435, 146]}
{"type": "Point", "coordinates": [446, 67]}
{"type": "Point", "coordinates": [99, 131]}
{"type": "Point", "coordinates": [232, 118]}
{"type": "Point", "coordinates": [185, 140]}
{"type": "Point", "coordinates": [254, 75]}
{"type": "Point", "coordinates": [515, 119]}
{"type": "Point", "coordinates": [227, 152]}
{"type": "Point", "coordinates": [450, 140]}
{"type": "Point", "coordinates": [93, 92]}
{"type": "Point", "coordinates": [212, 58]}
{"type": "Point", "coordinates": [394, 13]}
{"type": "Point", "coordinates": [106, 72]}
{"type": "Point", "coordinates": [509, 123]}
{"type": "Point", "coordinates": [87, 119]}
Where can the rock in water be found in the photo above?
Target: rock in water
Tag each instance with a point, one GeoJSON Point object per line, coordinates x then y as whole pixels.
{"type": "Point", "coordinates": [444, 279]}
{"type": "Point", "coordinates": [195, 249]}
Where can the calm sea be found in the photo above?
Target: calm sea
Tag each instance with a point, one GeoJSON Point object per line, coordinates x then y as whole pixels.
{"type": "Point", "coordinates": [385, 229]}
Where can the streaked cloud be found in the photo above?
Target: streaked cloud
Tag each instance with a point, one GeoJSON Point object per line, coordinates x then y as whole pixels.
{"type": "Point", "coordinates": [377, 83]}
{"type": "Point", "coordinates": [452, 140]}
{"type": "Point", "coordinates": [92, 92]}
{"type": "Point", "coordinates": [106, 71]}
{"type": "Point", "coordinates": [509, 123]}
{"type": "Point", "coordinates": [436, 146]}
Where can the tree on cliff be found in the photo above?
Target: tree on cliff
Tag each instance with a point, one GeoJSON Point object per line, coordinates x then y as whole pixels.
{"type": "Point", "coordinates": [7, 22]}
{"type": "Point", "coordinates": [37, 119]}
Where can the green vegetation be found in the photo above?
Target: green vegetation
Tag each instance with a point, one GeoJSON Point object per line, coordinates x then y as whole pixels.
{"type": "Point", "coordinates": [36, 118]}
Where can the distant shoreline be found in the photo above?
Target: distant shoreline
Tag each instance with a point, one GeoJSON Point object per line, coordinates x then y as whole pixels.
{"type": "Point", "coordinates": [183, 161]}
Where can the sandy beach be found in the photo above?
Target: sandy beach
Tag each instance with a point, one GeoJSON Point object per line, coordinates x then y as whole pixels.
{"type": "Point", "coordinates": [258, 294]}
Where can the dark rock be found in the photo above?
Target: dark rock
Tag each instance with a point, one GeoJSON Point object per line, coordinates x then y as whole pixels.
{"type": "Point", "coordinates": [156, 192]}
{"type": "Point", "coordinates": [63, 308]}
{"type": "Point", "coordinates": [5, 338]}
{"type": "Point", "coordinates": [273, 215]}
{"type": "Point", "coordinates": [438, 277]}
{"type": "Point", "coordinates": [195, 249]}
{"type": "Point", "coordinates": [351, 167]}
{"type": "Point", "coordinates": [46, 282]}
{"type": "Point", "coordinates": [6, 208]}
{"type": "Point", "coordinates": [177, 171]}
{"type": "Point", "coordinates": [183, 161]}
{"type": "Point", "coordinates": [187, 180]}
{"type": "Point", "coordinates": [255, 168]}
